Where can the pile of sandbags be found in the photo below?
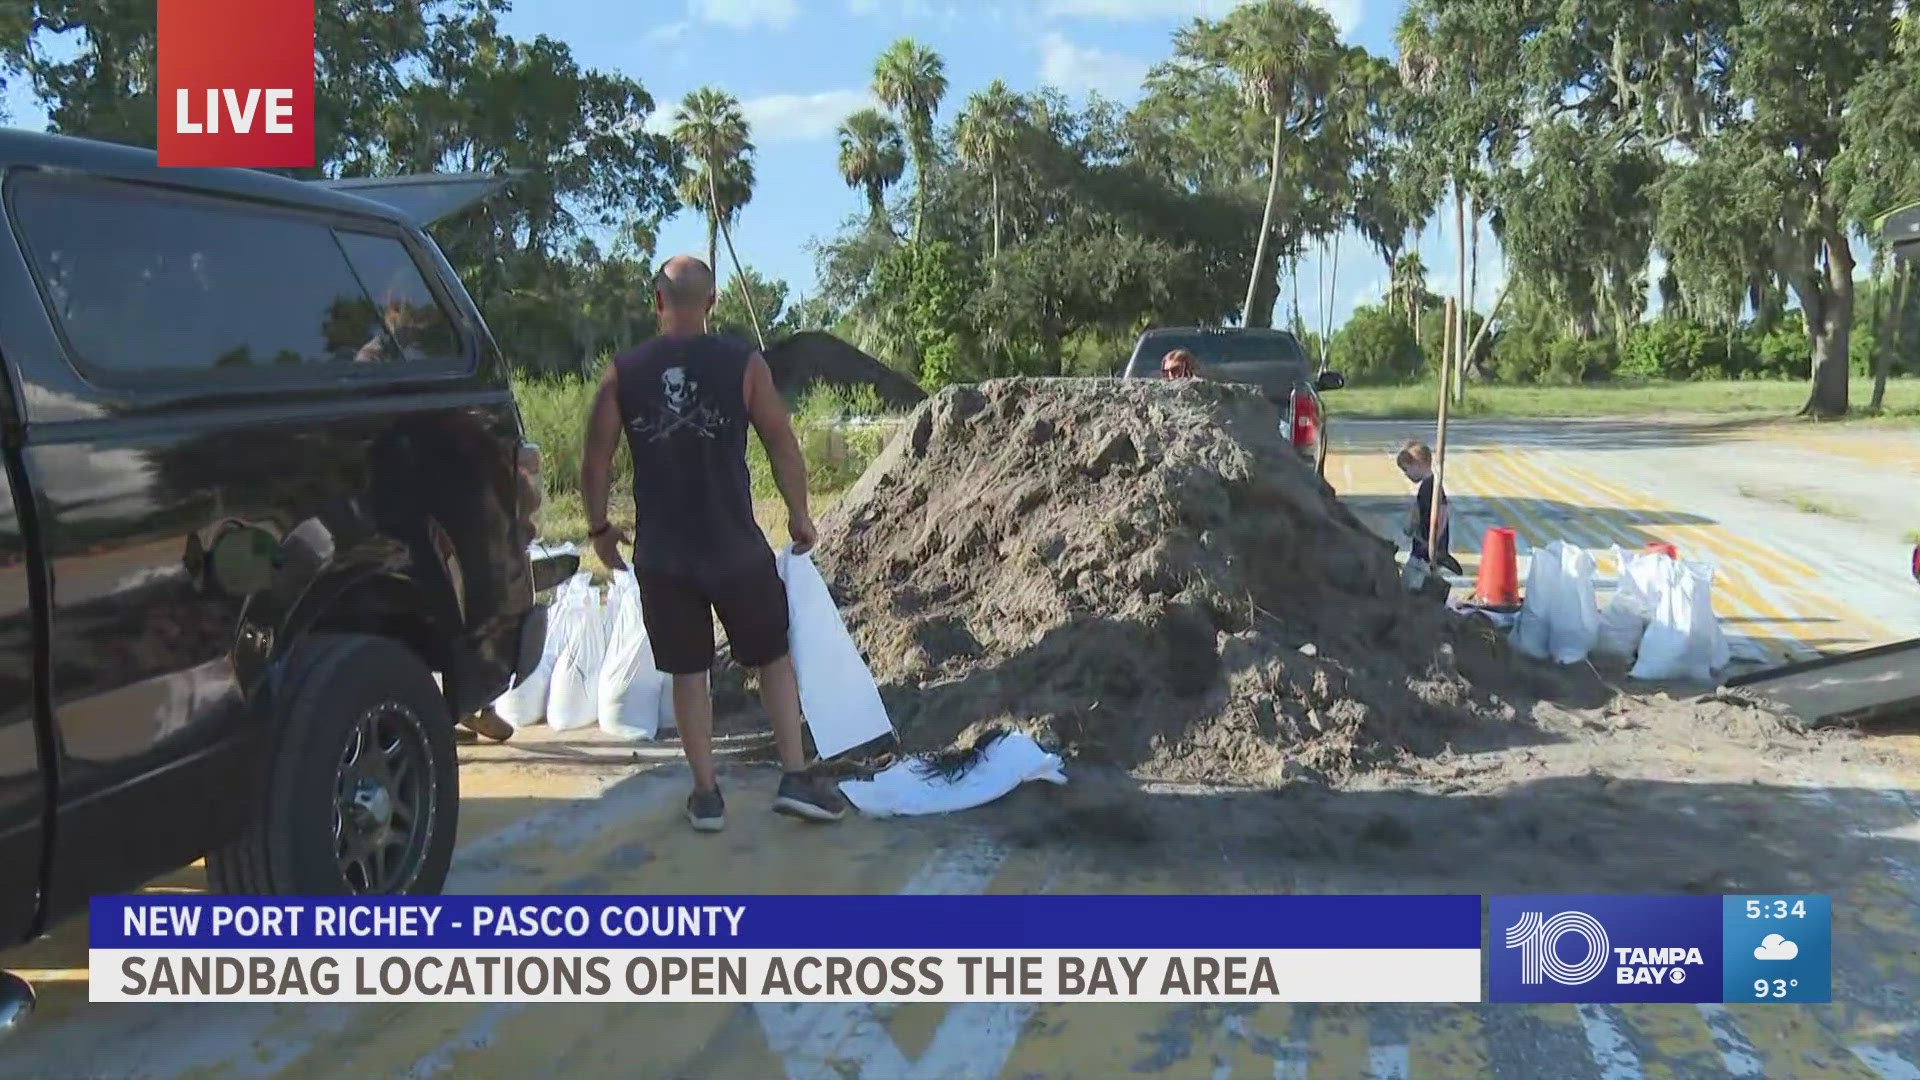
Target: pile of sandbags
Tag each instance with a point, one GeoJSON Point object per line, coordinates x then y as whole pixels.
{"type": "Point", "coordinates": [1660, 617]}
{"type": "Point", "coordinates": [596, 667]}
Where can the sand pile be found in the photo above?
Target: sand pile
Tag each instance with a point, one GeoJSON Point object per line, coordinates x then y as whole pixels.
{"type": "Point", "coordinates": [1150, 576]}
{"type": "Point", "coordinates": [813, 357]}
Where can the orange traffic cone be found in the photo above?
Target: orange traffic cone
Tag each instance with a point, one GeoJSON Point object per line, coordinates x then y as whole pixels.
{"type": "Point", "coordinates": [1498, 584]}
{"type": "Point", "coordinates": [1668, 550]}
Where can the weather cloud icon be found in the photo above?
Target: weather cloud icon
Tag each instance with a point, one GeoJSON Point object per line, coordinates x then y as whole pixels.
{"type": "Point", "coordinates": [1775, 947]}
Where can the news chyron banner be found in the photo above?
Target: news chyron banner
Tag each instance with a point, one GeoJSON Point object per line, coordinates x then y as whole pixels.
{"type": "Point", "coordinates": [236, 83]}
{"type": "Point", "coordinates": [1582, 949]}
{"type": "Point", "coordinates": [787, 949]}
{"type": "Point", "coordinates": [1699, 949]}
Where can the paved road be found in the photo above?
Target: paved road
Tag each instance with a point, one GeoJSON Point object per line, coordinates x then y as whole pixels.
{"type": "Point", "coordinates": [1809, 527]}
{"type": "Point", "coordinates": [582, 823]}
{"type": "Point", "coordinates": [567, 814]}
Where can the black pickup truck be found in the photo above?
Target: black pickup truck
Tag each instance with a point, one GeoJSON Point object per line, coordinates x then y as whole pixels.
{"type": "Point", "coordinates": [1272, 360]}
{"type": "Point", "coordinates": [264, 529]}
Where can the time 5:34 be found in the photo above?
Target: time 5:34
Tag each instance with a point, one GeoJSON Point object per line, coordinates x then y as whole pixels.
{"type": "Point", "coordinates": [1776, 909]}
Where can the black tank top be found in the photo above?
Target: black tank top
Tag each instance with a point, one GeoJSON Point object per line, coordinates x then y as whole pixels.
{"type": "Point", "coordinates": [683, 404]}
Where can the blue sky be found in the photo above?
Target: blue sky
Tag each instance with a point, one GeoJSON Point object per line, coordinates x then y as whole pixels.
{"type": "Point", "coordinates": [800, 66]}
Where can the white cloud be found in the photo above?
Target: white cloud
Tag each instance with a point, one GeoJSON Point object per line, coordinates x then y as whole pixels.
{"type": "Point", "coordinates": [1345, 13]}
{"type": "Point", "coordinates": [1078, 69]}
{"type": "Point", "coordinates": [1775, 947]}
{"type": "Point", "coordinates": [783, 117]}
{"type": "Point", "coordinates": [899, 9]}
{"type": "Point", "coordinates": [668, 33]}
{"type": "Point", "coordinates": [801, 117]}
{"type": "Point", "coordinates": [745, 14]}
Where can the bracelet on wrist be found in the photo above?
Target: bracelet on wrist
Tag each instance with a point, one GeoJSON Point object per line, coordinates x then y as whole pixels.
{"type": "Point", "coordinates": [600, 530]}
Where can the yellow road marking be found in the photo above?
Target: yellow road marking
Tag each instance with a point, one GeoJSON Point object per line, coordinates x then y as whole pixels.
{"type": "Point", "coordinates": [1775, 567]}
{"type": "Point", "coordinates": [1452, 1043]}
{"type": "Point", "coordinates": [1743, 560]}
{"type": "Point", "coordinates": [1339, 1042]}
{"type": "Point", "coordinates": [1682, 1043]}
{"type": "Point", "coordinates": [1791, 1041]}
{"type": "Point", "coordinates": [657, 855]}
{"type": "Point", "coordinates": [1098, 1041]}
{"type": "Point", "coordinates": [1740, 562]}
{"type": "Point", "coordinates": [1587, 526]}
{"type": "Point", "coordinates": [1884, 449]}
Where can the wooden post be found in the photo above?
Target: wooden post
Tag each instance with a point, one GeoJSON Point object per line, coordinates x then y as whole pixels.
{"type": "Point", "coordinates": [1465, 302]}
{"type": "Point", "coordinates": [1440, 446]}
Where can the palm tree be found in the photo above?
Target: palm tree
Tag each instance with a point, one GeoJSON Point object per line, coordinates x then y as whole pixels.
{"type": "Point", "coordinates": [1286, 55]}
{"type": "Point", "coordinates": [872, 156]}
{"type": "Point", "coordinates": [984, 137]}
{"type": "Point", "coordinates": [711, 128]}
{"type": "Point", "coordinates": [911, 79]}
{"type": "Point", "coordinates": [1410, 283]}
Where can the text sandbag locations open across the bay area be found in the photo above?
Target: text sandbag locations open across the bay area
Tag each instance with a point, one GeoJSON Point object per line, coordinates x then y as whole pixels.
{"type": "Point", "coordinates": [788, 948]}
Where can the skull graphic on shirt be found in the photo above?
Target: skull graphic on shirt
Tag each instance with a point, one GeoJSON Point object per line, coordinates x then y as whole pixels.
{"type": "Point", "coordinates": [684, 411]}
{"type": "Point", "coordinates": [677, 389]}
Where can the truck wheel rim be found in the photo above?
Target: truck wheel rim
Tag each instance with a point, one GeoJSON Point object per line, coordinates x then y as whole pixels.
{"type": "Point", "coordinates": [383, 801]}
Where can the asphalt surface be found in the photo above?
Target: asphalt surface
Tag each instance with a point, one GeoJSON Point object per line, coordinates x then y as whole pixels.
{"type": "Point", "coordinates": [562, 814]}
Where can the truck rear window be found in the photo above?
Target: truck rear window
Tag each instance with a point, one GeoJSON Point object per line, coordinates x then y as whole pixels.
{"type": "Point", "coordinates": [144, 283]}
{"type": "Point", "coordinates": [1230, 348]}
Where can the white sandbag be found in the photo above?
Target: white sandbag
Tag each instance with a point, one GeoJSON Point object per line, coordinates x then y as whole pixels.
{"type": "Point", "coordinates": [1531, 631]}
{"type": "Point", "coordinates": [574, 701]}
{"type": "Point", "coordinates": [1684, 640]}
{"type": "Point", "coordinates": [525, 702]}
{"type": "Point", "coordinates": [630, 684]}
{"type": "Point", "coordinates": [1719, 650]}
{"type": "Point", "coordinates": [837, 693]}
{"type": "Point", "coordinates": [906, 788]}
{"type": "Point", "coordinates": [1575, 623]}
{"type": "Point", "coordinates": [1624, 621]}
{"type": "Point", "coordinates": [667, 726]}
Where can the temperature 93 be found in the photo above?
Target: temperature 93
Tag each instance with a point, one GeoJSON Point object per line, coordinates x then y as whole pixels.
{"type": "Point", "coordinates": [1773, 988]}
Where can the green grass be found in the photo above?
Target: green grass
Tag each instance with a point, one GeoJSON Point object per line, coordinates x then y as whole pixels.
{"type": "Point", "coordinates": [1801, 501]}
{"type": "Point", "coordinates": [1731, 399]}
{"type": "Point", "coordinates": [554, 411]}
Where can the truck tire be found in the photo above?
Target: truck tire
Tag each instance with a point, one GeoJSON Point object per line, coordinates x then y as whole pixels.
{"type": "Point", "coordinates": [363, 794]}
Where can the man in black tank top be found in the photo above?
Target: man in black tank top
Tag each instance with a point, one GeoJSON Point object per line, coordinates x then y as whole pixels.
{"type": "Point", "coordinates": [685, 400]}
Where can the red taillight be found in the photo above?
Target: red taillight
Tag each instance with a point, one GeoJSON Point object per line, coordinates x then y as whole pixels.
{"type": "Point", "coordinates": [1306, 420]}
{"type": "Point", "coordinates": [1916, 564]}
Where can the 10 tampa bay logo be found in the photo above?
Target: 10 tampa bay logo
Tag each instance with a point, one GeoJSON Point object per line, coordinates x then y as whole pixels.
{"type": "Point", "coordinates": [1605, 949]}
{"type": "Point", "coordinates": [1538, 938]}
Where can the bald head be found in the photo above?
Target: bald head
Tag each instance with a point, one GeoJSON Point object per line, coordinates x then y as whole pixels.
{"type": "Point", "coordinates": [684, 284]}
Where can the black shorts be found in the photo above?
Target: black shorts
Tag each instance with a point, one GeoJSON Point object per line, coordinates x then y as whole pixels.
{"type": "Point", "coordinates": [678, 610]}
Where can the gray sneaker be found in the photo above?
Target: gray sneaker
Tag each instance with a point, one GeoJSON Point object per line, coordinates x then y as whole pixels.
{"type": "Point", "coordinates": [809, 797]}
{"type": "Point", "coordinates": [706, 810]}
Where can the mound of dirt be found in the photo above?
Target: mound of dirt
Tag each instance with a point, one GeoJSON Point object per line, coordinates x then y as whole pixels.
{"type": "Point", "coordinates": [1148, 574]}
{"type": "Point", "coordinates": [800, 362]}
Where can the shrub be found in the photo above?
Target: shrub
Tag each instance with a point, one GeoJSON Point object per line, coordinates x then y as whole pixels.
{"type": "Point", "coordinates": [1571, 361]}
{"type": "Point", "coordinates": [825, 402]}
{"type": "Point", "coordinates": [1783, 352]}
{"type": "Point", "coordinates": [1531, 355]}
{"type": "Point", "coordinates": [1681, 349]}
{"type": "Point", "coordinates": [1376, 346]}
{"type": "Point", "coordinates": [1520, 355]}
